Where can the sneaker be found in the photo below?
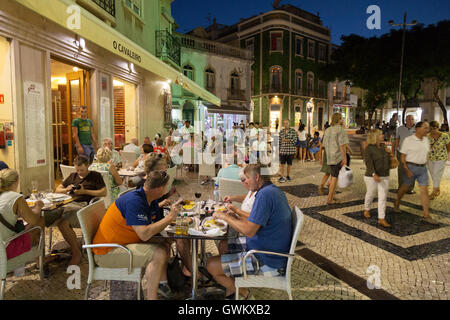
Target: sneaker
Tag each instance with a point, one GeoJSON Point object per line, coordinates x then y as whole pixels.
{"type": "Point", "coordinates": [281, 180]}
{"type": "Point", "coordinates": [288, 178]}
{"type": "Point", "coordinates": [165, 291]}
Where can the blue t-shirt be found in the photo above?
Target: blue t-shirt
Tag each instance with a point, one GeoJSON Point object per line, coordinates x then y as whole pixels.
{"type": "Point", "coordinates": [271, 211]}
{"type": "Point", "coordinates": [230, 172]}
{"type": "Point", "coordinates": [135, 209]}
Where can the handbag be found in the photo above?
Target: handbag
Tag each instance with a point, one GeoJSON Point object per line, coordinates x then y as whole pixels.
{"type": "Point", "coordinates": [175, 276]}
{"type": "Point", "coordinates": [345, 178]}
{"type": "Point", "coordinates": [17, 228]}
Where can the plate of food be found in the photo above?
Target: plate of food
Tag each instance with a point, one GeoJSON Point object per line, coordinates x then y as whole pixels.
{"type": "Point", "coordinates": [192, 222]}
{"type": "Point", "coordinates": [211, 223]}
{"type": "Point", "coordinates": [56, 197]}
{"type": "Point", "coordinates": [32, 203]}
{"type": "Point", "coordinates": [189, 205]}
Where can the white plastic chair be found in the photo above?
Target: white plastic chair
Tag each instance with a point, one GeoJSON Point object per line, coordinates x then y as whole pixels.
{"type": "Point", "coordinates": [172, 172]}
{"type": "Point", "coordinates": [90, 218]}
{"type": "Point", "coordinates": [66, 170]}
{"type": "Point", "coordinates": [106, 178]}
{"type": "Point", "coordinates": [230, 187]}
{"type": "Point", "coordinates": [279, 282]}
{"type": "Point", "coordinates": [10, 265]}
{"type": "Point", "coordinates": [128, 158]}
{"type": "Point", "coordinates": [205, 169]}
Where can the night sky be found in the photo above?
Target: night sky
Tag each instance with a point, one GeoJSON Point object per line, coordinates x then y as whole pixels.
{"type": "Point", "coordinates": [343, 17]}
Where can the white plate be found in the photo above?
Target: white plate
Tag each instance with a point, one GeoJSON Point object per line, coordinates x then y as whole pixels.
{"type": "Point", "coordinates": [225, 225]}
{"type": "Point", "coordinates": [46, 202]}
{"type": "Point", "coordinates": [58, 197]}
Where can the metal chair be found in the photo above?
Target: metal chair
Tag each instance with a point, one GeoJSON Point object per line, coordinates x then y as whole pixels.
{"type": "Point", "coordinates": [230, 187]}
{"type": "Point", "coordinates": [128, 158]}
{"type": "Point", "coordinates": [279, 282]}
{"type": "Point", "coordinates": [66, 170]}
{"type": "Point", "coordinates": [90, 218]}
{"type": "Point", "coordinates": [205, 169]}
{"type": "Point", "coordinates": [10, 265]}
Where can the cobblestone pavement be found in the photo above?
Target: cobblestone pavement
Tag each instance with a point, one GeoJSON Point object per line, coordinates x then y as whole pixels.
{"type": "Point", "coordinates": [413, 257]}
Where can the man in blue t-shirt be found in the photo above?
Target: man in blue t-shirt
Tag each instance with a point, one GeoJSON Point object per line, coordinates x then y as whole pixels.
{"type": "Point", "coordinates": [268, 228]}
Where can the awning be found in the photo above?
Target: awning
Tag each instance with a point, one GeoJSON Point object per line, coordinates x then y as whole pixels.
{"type": "Point", "coordinates": [227, 109]}
{"type": "Point", "coordinates": [98, 32]}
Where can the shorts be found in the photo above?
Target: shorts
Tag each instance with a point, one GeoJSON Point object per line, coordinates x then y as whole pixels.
{"type": "Point", "coordinates": [286, 158]}
{"type": "Point", "coordinates": [419, 173]}
{"type": "Point", "coordinates": [119, 258]}
{"type": "Point", "coordinates": [237, 244]}
{"type": "Point", "coordinates": [69, 212]}
{"type": "Point", "coordinates": [335, 168]}
{"type": "Point", "coordinates": [18, 246]}
{"type": "Point", "coordinates": [303, 144]}
{"type": "Point", "coordinates": [233, 266]}
{"type": "Point", "coordinates": [314, 150]}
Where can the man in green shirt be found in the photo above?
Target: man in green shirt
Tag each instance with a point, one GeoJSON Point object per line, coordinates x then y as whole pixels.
{"type": "Point", "coordinates": [82, 134]}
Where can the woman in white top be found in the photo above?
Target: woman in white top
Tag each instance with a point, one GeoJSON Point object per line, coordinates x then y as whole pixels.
{"type": "Point", "coordinates": [243, 212]}
{"type": "Point", "coordinates": [303, 145]}
{"type": "Point", "coordinates": [14, 206]}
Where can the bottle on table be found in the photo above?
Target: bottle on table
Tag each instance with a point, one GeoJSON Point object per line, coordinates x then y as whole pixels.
{"type": "Point", "coordinates": [185, 224]}
{"type": "Point", "coordinates": [216, 192]}
{"type": "Point", "coordinates": [178, 225]}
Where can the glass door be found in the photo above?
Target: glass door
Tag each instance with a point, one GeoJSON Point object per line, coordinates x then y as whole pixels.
{"type": "Point", "coordinates": [77, 95]}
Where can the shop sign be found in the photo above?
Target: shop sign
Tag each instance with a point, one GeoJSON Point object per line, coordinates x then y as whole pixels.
{"type": "Point", "coordinates": [121, 48]}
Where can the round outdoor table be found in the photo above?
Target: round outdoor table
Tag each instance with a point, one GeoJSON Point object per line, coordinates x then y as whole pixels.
{"type": "Point", "coordinates": [194, 242]}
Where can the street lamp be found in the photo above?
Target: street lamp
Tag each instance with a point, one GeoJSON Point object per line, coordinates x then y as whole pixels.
{"type": "Point", "coordinates": [403, 25]}
{"type": "Point", "coordinates": [309, 109]}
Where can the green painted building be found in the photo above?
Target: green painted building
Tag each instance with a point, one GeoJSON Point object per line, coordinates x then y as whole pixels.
{"type": "Point", "coordinates": [288, 44]}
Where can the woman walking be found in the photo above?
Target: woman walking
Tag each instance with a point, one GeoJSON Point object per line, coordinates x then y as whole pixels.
{"type": "Point", "coordinates": [376, 158]}
{"type": "Point", "coordinates": [437, 158]}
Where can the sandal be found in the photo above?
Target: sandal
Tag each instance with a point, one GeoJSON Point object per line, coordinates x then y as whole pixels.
{"type": "Point", "coordinates": [434, 195]}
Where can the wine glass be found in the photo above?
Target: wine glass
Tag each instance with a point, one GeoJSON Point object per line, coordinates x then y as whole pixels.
{"type": "Point", "coordinates": [34, 188]}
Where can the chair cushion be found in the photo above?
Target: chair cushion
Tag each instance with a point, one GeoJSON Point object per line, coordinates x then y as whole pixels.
{"type": "Point", "coordinates": [23, 259]}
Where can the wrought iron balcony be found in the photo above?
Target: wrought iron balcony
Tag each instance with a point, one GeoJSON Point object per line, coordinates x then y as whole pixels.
{"type": "Point", "coordinates": [168, 47]}
{"type": "Point", "coordinates": [275, 89]}
{"type": "Point", "coordinates": [236, 94]}
{"type": "Point", "coordinates": [187, 41]}
{"type": "Point", "coordinates": [107, 5]}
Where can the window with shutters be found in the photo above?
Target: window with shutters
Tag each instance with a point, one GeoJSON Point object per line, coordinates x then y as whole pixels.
{"type": "Point", "coordinates": [276, 41]}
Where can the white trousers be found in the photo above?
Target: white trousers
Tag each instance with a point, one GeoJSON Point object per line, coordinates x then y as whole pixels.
{"type": "Point", "coordinates": [436, 171]}
{"type": "Point", "coordinates": [383, 189]}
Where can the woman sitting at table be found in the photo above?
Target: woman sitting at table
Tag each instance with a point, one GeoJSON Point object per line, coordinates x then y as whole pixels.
{"type": "Point", "coordinates": [233, 243]}
{"type": "Point", "coordinates": [14, 206]}
{"type": "Point", "coordinates": [139, 165]}
{"type": "Point", "coordinates": [104, 163]}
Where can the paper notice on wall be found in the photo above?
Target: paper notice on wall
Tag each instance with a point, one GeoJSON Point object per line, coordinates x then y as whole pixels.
{"type": "Point", "coordinates": [105, 117]}
{"type": "Point", "coordinates": [34, 109]}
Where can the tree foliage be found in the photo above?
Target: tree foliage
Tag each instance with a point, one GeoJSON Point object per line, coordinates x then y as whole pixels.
{"type": "Point", "coordinates": [374, 63]}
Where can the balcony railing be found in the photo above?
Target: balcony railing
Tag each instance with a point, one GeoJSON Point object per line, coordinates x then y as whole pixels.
{"type": "Point", "coordinates": [236, 94]}
{"type": "Point", "coordinates": [275, 89]}
{"type": "Point", "coordinates": [187, 41]}
{"type": "Point", "coordinates": [107, 5]}
{"type": "Point", "coordinates": [167, 46]}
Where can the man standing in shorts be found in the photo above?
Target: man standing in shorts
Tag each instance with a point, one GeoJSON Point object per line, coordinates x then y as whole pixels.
{"type": "Point", "coordinates": [268, 228]}
{"type": "Point", "coordinates": [414, 155]}
{"type": "Point", "coordinates": [335, 140]}
{"type": "Point", "coordinates": [83, 136]}
{"type": "Point", "coordinates": [288, 138]}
